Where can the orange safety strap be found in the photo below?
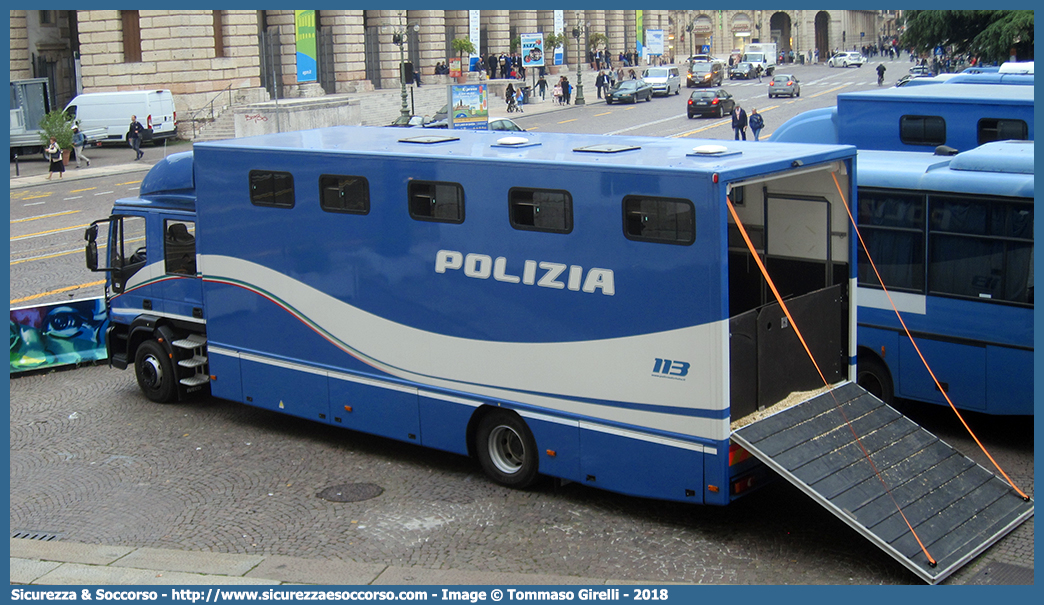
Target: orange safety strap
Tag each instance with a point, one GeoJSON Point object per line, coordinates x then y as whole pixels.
{"type": "Point", "coordinates": [797, 331]}
{"type": "Point", "coordinates": [851, 217]}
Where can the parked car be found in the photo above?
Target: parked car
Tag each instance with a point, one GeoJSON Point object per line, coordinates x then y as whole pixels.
{"type": "Point", "coordinates": [663, 80]}
{"type": "Point", "coordinates": [920, 70]}
{"type": "Point", "coordinates": [705, 73]}
{"type": "Point", "coordinates": [743, 71]}
{"type": "Point", "coordinates": [505, 124]}
{"type": "Point", "coordinates": [717, 102]}
{"type": "Point", "coordinates": [630, 91]}
{"type": "Point", "coordinates": [784, 85]}
{"type": "Point", "coordinates": [846, 59]}
{"type": "Point", "coordinates": [408, 121]}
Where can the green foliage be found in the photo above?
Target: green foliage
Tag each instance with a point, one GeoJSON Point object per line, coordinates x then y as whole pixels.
{"type": "Point", "coordinates": [59, 125]}
{"type": "Point", "coordinates": [597, 40]}
{"type": "Point", "coordinates": [990, 35]}
{"type": "Point", "coordinates": [553, 41]}
{"type": "Point", "coordinates": [463, 46]}
{"type": "Point", "coordinates": [516, 43]}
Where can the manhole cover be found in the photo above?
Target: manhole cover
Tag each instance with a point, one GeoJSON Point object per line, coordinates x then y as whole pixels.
{"type": "Point", "coordinates": [351, 492]}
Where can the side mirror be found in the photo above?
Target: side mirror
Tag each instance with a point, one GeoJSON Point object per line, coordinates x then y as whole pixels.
{"type": "Point", "coordinates": [92, 255]}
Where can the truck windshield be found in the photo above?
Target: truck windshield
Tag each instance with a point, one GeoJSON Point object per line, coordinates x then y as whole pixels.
{"type": "Point", "coordinates": [754, 57]}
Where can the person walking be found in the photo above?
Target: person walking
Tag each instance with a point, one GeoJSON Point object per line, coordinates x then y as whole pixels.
{"type": "Point", "coordinates": [542, 87]}
{"type": "Point", "coordinates": [54, 156]}
{"type": "Point", "coordinates": [134, 137]}
{"type": "Point", "coordinates": [567, 90]}
{"type": "Point", "coordinates": [739, 123]}
{"type": "Point", "coordinates": [79, 142]}
{"type": "Point", "coordinates": [600, 83]}
{"type": "Point", "coordinates": [756, 123]}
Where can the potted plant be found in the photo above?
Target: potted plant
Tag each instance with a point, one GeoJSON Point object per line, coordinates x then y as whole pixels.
{"type": "Point", "coordinates": [552, 41]}
{"type": "Point", "coordinates": [462, 46]}
{"type": "Point", "coordinates": [59, 125]}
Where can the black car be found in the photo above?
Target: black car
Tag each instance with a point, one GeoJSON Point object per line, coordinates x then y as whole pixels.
{"type": "Point", "coordinates": [743, 71]}
{"type": "Point", "coordinates": [629, 91]}
{"type": "Point", "coordinates": [706, 73]}
{"type": "Point", "coordinates": [717, 102]}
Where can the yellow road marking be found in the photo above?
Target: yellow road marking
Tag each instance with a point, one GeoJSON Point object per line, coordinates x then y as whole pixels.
{"type": "Point", "coordinates": [567, 121]}
{"type": "Point", "coordinates": [827, 91]}
{"type": "Point", "coordinates": [21, 237]}
{"type": "Point", "coordinates": [36, 218]}
{"type": "Point", "coordinates": [128, 183]}
{"type": "Point", "coordinates": [58, 291]}
{"type": "Point", "coordinates": [80, 190]}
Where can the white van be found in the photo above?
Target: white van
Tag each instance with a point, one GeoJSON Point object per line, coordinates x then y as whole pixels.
{"type": "Point", "coordinates": [663, 80]}
{"type": "Point", "coordinates": [113, 110]}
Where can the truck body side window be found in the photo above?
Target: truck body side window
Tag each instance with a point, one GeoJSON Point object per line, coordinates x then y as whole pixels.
{"type": "Point", "coordinates": [436, 201]}
{"type": "Point", "coordinates": [660, 220]}
{"type": "Point", "coordinates": [540, 210]}
{"type": "Point", "coordinates": [271, 188]}
{"type": "Point", "coordinates": [350, 194]}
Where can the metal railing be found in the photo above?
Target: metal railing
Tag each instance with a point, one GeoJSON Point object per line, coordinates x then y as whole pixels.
{"type": "Point", "coordinates": [206, 113]}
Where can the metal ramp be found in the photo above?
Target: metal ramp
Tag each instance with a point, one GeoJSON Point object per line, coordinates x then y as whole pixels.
{"type": "Point", "coordinates": [957, 507]}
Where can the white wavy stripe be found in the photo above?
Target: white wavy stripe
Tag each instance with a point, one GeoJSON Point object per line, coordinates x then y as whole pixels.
{"type": "Point", "coordinates": [616, 369]}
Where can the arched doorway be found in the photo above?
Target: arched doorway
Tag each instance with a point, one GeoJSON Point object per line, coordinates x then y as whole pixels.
{"type": "Point", "coordinates": [823, 35]}
{"type": "Point", "coordinates": [780, 32]}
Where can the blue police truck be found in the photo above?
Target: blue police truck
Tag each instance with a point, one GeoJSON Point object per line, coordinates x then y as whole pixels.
{"type": "Point", "coordinates": [582, 307]}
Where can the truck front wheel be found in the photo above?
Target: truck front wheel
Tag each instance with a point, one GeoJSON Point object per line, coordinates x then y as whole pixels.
{"type": "Point", "coordinates": [506, 449]}
{"type": "Point", "coordinates": [155, 372]}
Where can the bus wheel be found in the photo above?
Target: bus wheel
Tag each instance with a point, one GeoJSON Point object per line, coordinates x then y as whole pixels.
{"type": "Point", "coordinates": [506, 449]}
{"type": "Point", "coordinates": [155, 372]}
{"type": "Point", "coordinates": [874, 377]}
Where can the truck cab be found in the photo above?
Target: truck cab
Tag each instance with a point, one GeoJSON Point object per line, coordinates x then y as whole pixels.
{"type": "Point", "coordinates": [153, 287]}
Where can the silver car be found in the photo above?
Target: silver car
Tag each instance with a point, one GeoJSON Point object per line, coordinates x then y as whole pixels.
{"type": "Point", "coordinates": [846, 59]}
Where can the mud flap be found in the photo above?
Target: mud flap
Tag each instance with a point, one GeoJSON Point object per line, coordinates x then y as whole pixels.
{"type": "Point", "coordinates": [956, 507]}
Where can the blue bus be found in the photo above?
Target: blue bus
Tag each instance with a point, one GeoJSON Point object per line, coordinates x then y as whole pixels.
{"type": "Point", "coordinates": [952, 238]}
{"type": "Point", "coordinates": [917, 118]}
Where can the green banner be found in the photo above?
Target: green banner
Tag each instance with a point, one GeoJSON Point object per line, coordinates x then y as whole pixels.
{"type": "Point", "coordinates": [307, 56]}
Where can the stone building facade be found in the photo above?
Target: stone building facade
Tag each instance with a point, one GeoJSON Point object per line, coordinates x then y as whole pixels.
{"type": "Point", "coordinates": [231, 57]}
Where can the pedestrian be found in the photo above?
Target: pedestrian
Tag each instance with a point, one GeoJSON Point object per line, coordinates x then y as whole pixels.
{"type": "Point", "coordinates": [520, 100]}
{"type": "Point", "coordinates": [567, 90]}
{"type": "Point", "coordinates": [509, 97]}
{"type": "Point", "coordinates": [54, 156]}
{"type": "Point", "coordinates": [542, 87]}
{"type": "Point", "coordinates": [556, 93]}
{"type": "Point", "coordinates": [134, 137]}
{"type": "Point", "coordinates": [739, 123]}
{"type": "Point", "coordinates": [79, 142]}
{"type": "Point", "coordinates": [600, 83]}
{"type": "Point", "coordinates": [756, 123]}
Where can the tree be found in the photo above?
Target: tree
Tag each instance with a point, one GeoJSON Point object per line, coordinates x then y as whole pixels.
{"type": "Point", "coordinates": [553, 41]}
{"type": "Point", "coordinates": [59, 125]}
{"type": "Point", "coordinates": [990, 35]}
{"type": "Point", "coordinates": [597, 40]}
{"type": "Point", "coordinates": [461, 46]}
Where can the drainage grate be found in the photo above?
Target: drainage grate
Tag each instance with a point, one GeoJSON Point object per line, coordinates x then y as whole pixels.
{"type": "Point", "coordinates": [1004, 574]}
{"type": "Point", "coordinates": [351, 492]}
{"type": "Point", "coordinates": [35, 535]}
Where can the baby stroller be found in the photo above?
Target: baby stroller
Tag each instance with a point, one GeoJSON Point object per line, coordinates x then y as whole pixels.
{"type": "Point", "coordinates": [512, 104]}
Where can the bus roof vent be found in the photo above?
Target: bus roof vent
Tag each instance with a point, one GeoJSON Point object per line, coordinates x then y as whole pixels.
{"type": "Point", "coordinates": [712, 151]}
{"type": "Point", "coordinates": [429, 139]}
{"type": "Point", "coordinates": [606, 148]}
{"type": "Point", "coordinates": [514, 142]}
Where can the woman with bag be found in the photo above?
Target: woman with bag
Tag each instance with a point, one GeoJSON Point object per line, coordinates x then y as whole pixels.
{"type": "Point", "coordinates": [756, 123]}
{"type": "Point", "coordinates": [54, 155]}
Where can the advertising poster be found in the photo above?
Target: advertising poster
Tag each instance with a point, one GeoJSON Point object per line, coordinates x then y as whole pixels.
{"type": "Point", "coordinates": [654, 42]}
{"type": "Point", "coordinates": [307, 56]}
{"type": "Point", "coordinates": [58, 334]}
{"type": "Point", "coordinates": [469, 107]}
{"type": "Point", "coordinates": [454, 67]}
{"type": "Point", "coordinates": [559, 29]}
{"type": "Point", "coordinates": [532, 50]}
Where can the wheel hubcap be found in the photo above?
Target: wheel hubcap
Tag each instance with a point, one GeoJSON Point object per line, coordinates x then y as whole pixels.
{"type": "Point", "coordinates": [151, 371]}
{"type": "Point", "coordinates": [506, 450]}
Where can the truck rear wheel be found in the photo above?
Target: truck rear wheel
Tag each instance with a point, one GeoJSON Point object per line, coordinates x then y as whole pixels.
{"type": "Point", "coordinates": [507, 450]}
{"type": "Point", "coordinates": [155, 372]}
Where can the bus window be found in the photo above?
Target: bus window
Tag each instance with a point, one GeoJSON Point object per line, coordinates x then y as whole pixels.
{"type": "Point", "coordinates": [993, 129]}
{"type": "Point", "coordinates": [660, 220]}
{"type": "Point", "coordinates": [981, 249]}
{"type": "Point", "coordinates": [892, 224]}
{"type": "Point", "coordinates": [922, 130]}
{"type": "Point", "coordinates": [271, 188]}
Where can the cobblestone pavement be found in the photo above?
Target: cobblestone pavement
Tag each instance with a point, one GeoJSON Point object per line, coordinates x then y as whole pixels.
{"type": "Point", "coordinates": [94, 462]}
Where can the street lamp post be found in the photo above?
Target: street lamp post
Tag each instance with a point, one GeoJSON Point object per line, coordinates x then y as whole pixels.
{"type": "Point", "coordinates": [399, 39]}
{"type": "Point", "coordinates": [578, 33]}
